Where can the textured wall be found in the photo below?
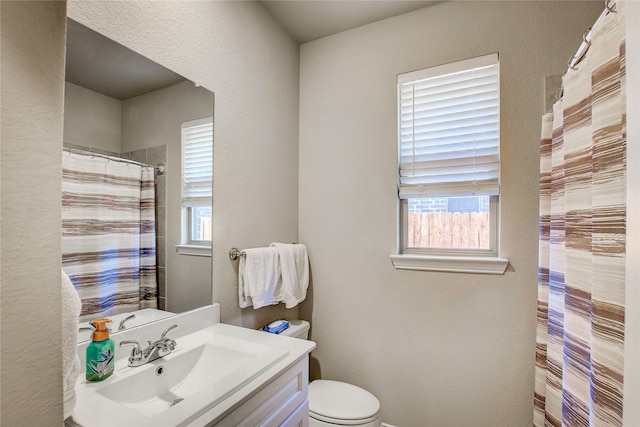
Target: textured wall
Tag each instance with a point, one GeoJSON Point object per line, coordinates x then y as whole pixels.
{"type": "Point", "coordinates": [438, 349]}
{"type": "Point", "coordinates": [33, 35]}
{"type": "Point", "coordinates": [237, 51]}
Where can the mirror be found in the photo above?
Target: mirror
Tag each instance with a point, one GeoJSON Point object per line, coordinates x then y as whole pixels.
{"type": "Point", "coordinates": [123, 105]}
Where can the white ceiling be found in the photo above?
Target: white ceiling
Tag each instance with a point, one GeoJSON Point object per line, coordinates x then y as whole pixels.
{"type": "Point", "coordinates": [307, 20]}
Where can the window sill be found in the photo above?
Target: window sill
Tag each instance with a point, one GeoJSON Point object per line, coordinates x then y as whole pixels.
{"type": "Point", "coordinates": [194, 250]}
{"type": "Point", "coordinates": [455, 264]}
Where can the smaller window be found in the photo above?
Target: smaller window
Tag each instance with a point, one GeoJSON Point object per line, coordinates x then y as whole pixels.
{"type": "Point", "coordinates": [448, 155]}
{"type": "Point", "coordinates": [197, 179]}
{"type": "Point", "coordinates": [200, 223]}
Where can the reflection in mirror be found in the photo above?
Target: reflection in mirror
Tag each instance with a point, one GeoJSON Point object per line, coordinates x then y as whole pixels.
{"type": "Point", "coordinates": [122, 214]}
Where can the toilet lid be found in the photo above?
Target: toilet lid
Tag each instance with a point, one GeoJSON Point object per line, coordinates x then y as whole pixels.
{"type": "Point", "coordinates": [333, 401]}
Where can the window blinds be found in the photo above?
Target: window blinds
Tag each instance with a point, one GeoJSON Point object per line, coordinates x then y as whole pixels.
{"type": "Point", "coordinates": [197, 162]}
{"type": "Point", "coordinates": [449, 129]}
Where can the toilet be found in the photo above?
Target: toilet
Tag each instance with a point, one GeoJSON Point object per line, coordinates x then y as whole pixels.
{"type": "Point", "coordinates": [336, 403]}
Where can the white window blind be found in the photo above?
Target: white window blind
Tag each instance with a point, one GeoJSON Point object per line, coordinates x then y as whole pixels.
{"type": "Point", "coordinates": [197, 162]}
{"type": "Point", "coordinates": [449, 129]}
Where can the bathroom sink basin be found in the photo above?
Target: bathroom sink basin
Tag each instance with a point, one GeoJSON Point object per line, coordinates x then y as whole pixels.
{"type": "Point", "coordinates": [204, 367]}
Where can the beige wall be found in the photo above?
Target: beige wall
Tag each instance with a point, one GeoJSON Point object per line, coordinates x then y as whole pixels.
{"type": "Point", "coordinates": [236, 50]}
{"type": "Point", "coordinates": [439, 349]}
{"type": "Point", "coordinates": [151, 120]}
{"type": "Point", "coordinates": [33, 35]}
{"type": "Point", "coordinates": [92, 119]}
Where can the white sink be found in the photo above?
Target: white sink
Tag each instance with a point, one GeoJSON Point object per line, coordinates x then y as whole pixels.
{"type": "Point", "coordinates": [204, 369]}
{"type": "Point", "coordinates": [155, 387]}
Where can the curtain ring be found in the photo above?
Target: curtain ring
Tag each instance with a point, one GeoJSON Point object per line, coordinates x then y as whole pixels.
{"type": "Point", "coordinates": [569, 64]}
{"type": "Point", "coordinates": [584, 38]}
{"type": "Point", "coordinates": [559, 93]}
{"type": "Point", "coordinates": [609, 4]}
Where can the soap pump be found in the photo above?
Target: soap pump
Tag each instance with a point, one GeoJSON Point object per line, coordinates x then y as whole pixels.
{"type": "Point", "coordinates": [100, 352]}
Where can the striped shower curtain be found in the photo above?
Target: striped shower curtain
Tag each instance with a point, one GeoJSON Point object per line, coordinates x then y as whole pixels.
{"type": "Point", "coordinates": [581, 276]}
{"type": "Point", "coordinates": [108, 234]}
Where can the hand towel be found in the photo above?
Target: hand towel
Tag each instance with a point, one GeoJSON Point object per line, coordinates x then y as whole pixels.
{"type": "Point", "coordinates": [294, 265]}
{"type": "Point", "coordinates": [259, 278]}
{"type": "Point", "coordinates": [71, 307]}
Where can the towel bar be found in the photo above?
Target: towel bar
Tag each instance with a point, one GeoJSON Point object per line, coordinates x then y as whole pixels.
{"type": "Point", "coordinates": [235, 253]}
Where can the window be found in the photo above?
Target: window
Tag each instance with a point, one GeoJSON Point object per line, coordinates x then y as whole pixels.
{"type": "Point", "coordinates": [449, 158]}
{"type": "Point", "coordinates": [197, 179]}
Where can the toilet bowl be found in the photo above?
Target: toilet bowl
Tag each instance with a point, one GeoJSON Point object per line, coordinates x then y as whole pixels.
{"type": "Point", "coordinates": [336, 403]}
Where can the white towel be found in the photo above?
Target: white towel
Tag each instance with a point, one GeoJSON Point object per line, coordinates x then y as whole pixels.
{"type": "Point", "coordinates": [71, 307]}
{"type": "Point", "coordinates": [259, 278]}
{"type": "Point", "coordinates": [294, 264]}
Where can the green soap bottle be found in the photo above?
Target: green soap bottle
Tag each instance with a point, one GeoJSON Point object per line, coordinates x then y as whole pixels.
{"type": "Point", "coordinates": [100, 353]}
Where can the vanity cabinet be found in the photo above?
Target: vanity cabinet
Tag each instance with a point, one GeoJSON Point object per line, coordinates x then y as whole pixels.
{"type": "Point", "coordinates": [282, 402]}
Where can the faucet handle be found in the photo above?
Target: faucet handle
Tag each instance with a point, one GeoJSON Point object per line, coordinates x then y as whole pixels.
{"type": "Point", "coordinates": [164, 334]}
{"type": "Point", "coordinates": [136, 352]}
{"type": "Point", "coordinates": [122, 327]}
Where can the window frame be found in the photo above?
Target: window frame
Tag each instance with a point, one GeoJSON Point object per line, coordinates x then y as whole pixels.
{"type": "Point", "coordinates": [494, 204]}
{"type": "Point", "coordinates": [486, 261]}
{"type": "Point", "coordinates": [190, 228]}
{"type": "Point", "coordinates": [189, 245]}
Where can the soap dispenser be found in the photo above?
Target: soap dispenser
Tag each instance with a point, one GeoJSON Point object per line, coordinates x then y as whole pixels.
{"type": "Point", "coordinates": [100, 352]}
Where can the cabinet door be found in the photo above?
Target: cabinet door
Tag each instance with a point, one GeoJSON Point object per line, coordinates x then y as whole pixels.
{"type": "Point", "coordinates": [299, 418]}
{"type": "Point", "coordinates": [272, 405]}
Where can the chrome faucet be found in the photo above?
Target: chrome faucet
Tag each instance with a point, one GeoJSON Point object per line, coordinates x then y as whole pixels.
{"type": "Point", "coordinates": [122, 327]}
{"type": "Point", "coordinates": [154, 350]}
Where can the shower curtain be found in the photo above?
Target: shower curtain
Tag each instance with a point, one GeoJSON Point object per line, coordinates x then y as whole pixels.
{"type": "Point", "coordinates": [108, 234]}
{"type": "Point", "coordinates": [581, 275]}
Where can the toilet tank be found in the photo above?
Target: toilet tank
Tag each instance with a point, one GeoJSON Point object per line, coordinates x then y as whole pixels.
{"type": "Point", "coordinates": [297, 329]}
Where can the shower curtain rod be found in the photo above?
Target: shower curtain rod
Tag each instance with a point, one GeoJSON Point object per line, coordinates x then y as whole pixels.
{"type": "Point", "coordinates": [609, 7]}
{"type": "Point", "coordinates": [159, 169]}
